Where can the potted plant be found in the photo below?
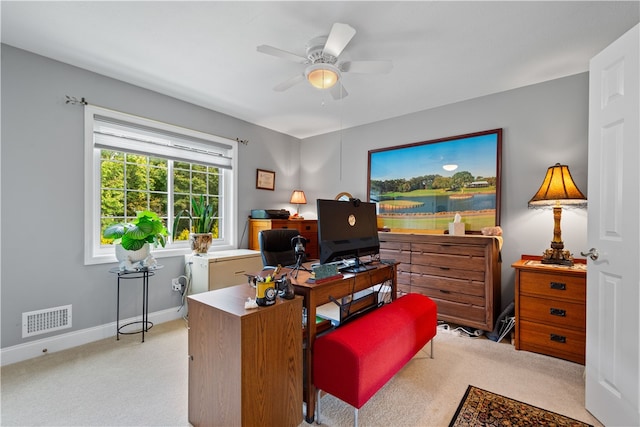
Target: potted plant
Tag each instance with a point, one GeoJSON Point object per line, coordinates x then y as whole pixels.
{"type": "Point", "coordinates": [202, 222]}
{"type": "Point", "coordinates": [132, 239]}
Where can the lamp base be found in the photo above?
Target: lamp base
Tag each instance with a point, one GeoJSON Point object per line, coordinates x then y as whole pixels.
{"type": "Point", "coordinates": [557, 256]}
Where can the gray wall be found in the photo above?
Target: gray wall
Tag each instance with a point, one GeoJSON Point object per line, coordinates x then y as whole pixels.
{"type": "Point", "coordinates": [542, 124]}
{"type": "Point", "coordinates": [42, 189]}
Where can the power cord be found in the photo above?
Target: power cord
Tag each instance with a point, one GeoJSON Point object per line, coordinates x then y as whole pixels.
{"type": "Point", "coordinates": [244, 230]}
{"type": "Point", "coordinates": [475, 333]}
{"type": "Point", "coordinates": [185, 289]}
{"type": "Point", "coordinates": [460, 331]}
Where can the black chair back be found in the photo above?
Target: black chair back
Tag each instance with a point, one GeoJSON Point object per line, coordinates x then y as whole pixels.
{"type": "Point", "coordinates": [276, 248]}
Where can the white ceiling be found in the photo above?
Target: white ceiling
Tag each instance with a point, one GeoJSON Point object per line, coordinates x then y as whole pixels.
{"type": "Point", "coordinates": [205, 52]}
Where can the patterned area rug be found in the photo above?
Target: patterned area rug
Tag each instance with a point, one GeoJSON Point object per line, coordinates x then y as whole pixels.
{"type": "Point", "coordinates": [483, 408]}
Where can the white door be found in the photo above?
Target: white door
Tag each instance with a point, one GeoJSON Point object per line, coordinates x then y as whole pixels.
{"type": "Point", "coordinates": [613, 280]}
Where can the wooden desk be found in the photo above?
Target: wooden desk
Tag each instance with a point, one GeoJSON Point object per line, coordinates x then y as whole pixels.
{"type": "Point", "coordinates": [317, 294]}
{"type": "Point", "coordinates": [245, 366]}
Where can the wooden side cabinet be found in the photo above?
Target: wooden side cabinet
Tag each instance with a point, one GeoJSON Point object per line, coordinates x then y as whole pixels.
{"type": "Point", "coordinates": [551, 308]}
{"type": "Point", "coordinates": [245, 366]}
{"type": "Point", "coordinates": [308, 228]}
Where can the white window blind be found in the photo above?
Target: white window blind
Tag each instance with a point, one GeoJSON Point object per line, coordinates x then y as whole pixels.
{"type": "Point", "coordinates": [113, 134]}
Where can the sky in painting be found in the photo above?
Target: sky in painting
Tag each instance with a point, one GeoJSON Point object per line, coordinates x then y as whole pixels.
{"type": "Point", "coordinates": [476, 154]}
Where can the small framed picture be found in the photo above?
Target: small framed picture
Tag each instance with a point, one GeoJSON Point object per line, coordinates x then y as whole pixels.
{"type": "Point", "coordinates": [265, 180]}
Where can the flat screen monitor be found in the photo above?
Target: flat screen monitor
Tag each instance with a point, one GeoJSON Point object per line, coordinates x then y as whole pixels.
{"type": "Point", "coordinates": [347, 230]}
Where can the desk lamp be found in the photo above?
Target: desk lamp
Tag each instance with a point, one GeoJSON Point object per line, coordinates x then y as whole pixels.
{"type": "Point", "coordinates": [298, 198]}
{"type": "Point", "coordinates": [557, 189]}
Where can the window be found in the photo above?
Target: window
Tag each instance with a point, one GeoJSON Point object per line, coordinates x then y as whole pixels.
{"type": "Point", "coordinates": [135, 164]}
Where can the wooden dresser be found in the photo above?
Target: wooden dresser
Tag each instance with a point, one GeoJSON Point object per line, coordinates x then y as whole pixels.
{"type": "Point", "coordinates": [460, 273]}
{"type": "Point", "coordinates": [551, 308]}
{"type": "Point", "coordinates": [308, 228]}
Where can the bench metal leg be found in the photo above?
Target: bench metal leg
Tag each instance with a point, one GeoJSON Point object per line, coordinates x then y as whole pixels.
{"type": "Point", "coordinates": [318, 407]}
{"type": "Point", "coordinates": [317, 414]}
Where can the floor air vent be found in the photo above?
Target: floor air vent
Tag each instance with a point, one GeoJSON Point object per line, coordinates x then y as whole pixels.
{"type": "Point", "coordinates": [47, 320]}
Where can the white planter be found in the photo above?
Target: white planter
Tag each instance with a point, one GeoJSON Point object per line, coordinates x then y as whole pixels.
{"type": "Point", "coordinates": [123, 255]}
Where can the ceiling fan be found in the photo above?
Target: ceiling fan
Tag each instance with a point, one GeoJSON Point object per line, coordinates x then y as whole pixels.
{"type": "Point", "coordinates": [324, 66]}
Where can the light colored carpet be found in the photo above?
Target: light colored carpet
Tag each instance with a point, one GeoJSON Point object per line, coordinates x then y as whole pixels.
{"type": "Point", "coordinates": [426, 392]}
{"type": "Point", "coordinates": [127, 383]}
{"type": "Point", "coordinates": [104, 383]}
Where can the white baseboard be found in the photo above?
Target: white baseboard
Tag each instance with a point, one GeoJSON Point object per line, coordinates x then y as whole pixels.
{"type": "Point", "coordinates": [20, 352]}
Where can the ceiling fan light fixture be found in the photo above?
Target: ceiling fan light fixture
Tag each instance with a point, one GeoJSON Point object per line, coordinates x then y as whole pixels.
{"type": "Point", "coordinates": [322, 76]}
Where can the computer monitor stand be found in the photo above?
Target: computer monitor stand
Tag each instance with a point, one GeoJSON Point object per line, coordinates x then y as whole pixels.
{"type": "Point", "coordinates": [358, 267]}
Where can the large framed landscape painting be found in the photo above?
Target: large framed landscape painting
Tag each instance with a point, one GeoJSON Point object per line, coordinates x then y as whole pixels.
{"type": "Point", "coordinates": [420, 187]}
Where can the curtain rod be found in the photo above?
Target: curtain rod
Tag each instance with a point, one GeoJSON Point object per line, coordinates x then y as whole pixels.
{"type": "Point", "coordinates": [75, 101]}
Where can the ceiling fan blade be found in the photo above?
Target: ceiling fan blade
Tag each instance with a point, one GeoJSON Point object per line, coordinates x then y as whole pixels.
{"type": "Point", "coordinates": [338, 91]}
{"type": "Point", "coordinates": [339, 37]}
{"type": "Point", "coordinates": [270, 50]}
{"type": "Point", "coordinates": [288, 83]}
{"type": "Point", "coordinates": [366, 67]}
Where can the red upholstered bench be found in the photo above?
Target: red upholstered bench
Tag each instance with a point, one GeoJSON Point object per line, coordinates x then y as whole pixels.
{"type": "Point", "coordinates": [354, 361]}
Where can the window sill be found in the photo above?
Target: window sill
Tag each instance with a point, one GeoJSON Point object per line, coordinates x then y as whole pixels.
{"type": "Point", "coordinates": [158, 253]}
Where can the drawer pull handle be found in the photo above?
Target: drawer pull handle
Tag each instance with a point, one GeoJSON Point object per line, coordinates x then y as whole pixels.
{"type": "Point", "coordinates": [558, 338]}
{"type": "Point", "coordinates": [444, 291]}
{"type": "Point", "coordinates": [557, 312]}
{"type": "Point", "coordinates": [445, 268]}
{"type": "Point", "coordinates": [558, 286]}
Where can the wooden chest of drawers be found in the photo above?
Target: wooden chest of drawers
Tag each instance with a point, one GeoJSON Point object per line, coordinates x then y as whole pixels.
{"type": "Point", "coordinates": [460, 273]}
{"type": "Point", "coordinates": [551, 309]}
{"type": "Point", "coordinates": [308, 228]}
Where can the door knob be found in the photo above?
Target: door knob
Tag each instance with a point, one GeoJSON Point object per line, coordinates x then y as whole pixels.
{"type": "Point", "coordinates": [593, 254]}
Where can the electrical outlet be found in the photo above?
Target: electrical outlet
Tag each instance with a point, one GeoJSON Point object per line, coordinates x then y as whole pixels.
{"type": "Point", "coordinates": [176, 285]}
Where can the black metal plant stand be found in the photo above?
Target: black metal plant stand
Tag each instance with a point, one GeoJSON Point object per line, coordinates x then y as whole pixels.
{"type": "Point", "coordinates": [145, 324]}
